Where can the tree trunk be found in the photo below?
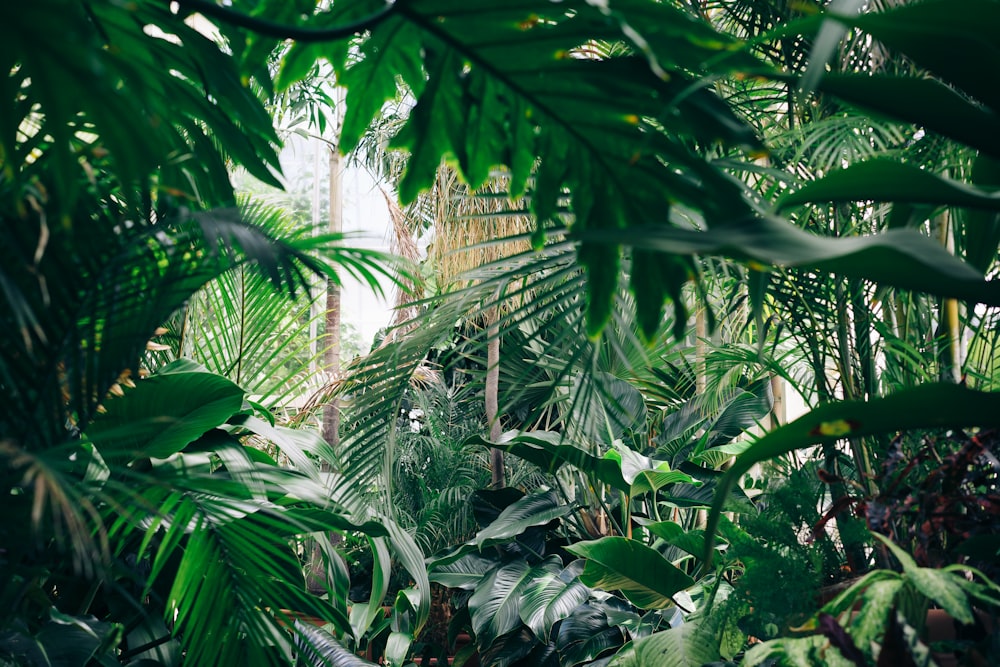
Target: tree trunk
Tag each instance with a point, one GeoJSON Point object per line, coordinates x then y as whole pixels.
{"type": "Point", "coordinates": [331, 354]}
{"type": "Point", "coordinates": [317, 580]}
{"type": "Point", "coordinates": [492, 399]}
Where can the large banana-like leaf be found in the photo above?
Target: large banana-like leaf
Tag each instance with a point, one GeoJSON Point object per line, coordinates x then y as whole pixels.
{"type": "Point", "coordinates": [320, 647]}
{"type": "Point", "coordinates": [537, 509]}
{"type": "Point", "coordinates": [901, 258]}
{"type": "Point", "coordinates": [891, 180]}
{"type": "Point", "coordinates": [586, 635]}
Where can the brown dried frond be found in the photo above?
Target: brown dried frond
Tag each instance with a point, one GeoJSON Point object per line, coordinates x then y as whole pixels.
{"type": "Point", "coordinates": [467, 221]}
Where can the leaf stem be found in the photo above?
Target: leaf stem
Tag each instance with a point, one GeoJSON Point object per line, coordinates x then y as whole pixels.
{"type": "Point", "coordinates": [283, 30]}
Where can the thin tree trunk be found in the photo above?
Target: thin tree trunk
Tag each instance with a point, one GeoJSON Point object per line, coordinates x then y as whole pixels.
{"type": "Point", "coordinates": [317, 581]}
{"type": "Point", "coordinates": [700, 351]}
{"type": "Point", "coordinates": [949, 332]}
{"type": "Point", "coordinates": [778, 410]}
{"type": "Point", "coordinates": [331, 354]}
{"type": "Point", "coordinates": [492, 399]}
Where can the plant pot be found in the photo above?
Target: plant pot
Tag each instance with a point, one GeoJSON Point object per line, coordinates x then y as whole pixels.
{"type": "Point", "coordinates": [942, 626]}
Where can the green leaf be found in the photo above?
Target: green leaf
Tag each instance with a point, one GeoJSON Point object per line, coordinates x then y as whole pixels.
{"type": "Point", "coordinates": [76, 640]}
{"type": "Point", "coordinates": [938, 586]}
{"type": "Point", "coordinates": [495, 604]}
{"type": "Point", "coordinates": [163, 414]}
{"type": "Point", "coordinates": [926, 406]}
{"type": "Point", "coordinates": [900, 258]}
{"type": "Point", "coordinates": [644, 474]}
{"type": "Point", "coordinates": [427, 133]}
{"type": "Point", "coordinates": [392, 51]}
{"type": "Point", "coordinates": [943, 40]}
{"type": "Point", "coordinates": [891, 180]}
{"type": "Point", "coordinates": [488, 504]}
{"type": "Point", "coordinates": [877, 602]}
{"type": "Point", "coordinates": [621, 469]}
{"type": "Point", "coordinates": [508, 650]}
{"type": "Point", "coordinates": [925, 102]}
{"type": "Point", "coordinates": [545, 449]}
{"type": "Point", "coordinates": [981, 228]}
{"type": "Point", "coordinates": [465, 572]}
{"type": "Point", "coordinates": [647, 579]}
{"type": "Point", "coordinates": [689, 541]}
{"type": "Point", "coordinates": [587, 634]}
{"type": "Point", "coordinates": [691, 644]}
{"type": "Point", "coordinates": [551, 596]}
{"type": "Point", "coordinates": [537, 509]}
{"type": "Point", "coordinates": [320, 647]}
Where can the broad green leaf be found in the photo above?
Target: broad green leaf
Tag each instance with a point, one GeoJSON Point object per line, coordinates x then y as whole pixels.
{"type": "Point", "coordinates": [488, 504]}
{"type": "Point", "coordinates": [465, 572]}
{"type": "Point", "coordinates": [900, 258]}
{"type": "Point", "coordinates": [162, 414]}
{"type": "Point", "coordinates": [923, 101]}
{"type": "Point", "coordinates": [938, 586]}
{"type": "Point", "coordinates": [621, 468]}
{"type": "Point", "coordinates": [743, 411]}
{"type": "Point", "coordinates": [890, 180]}
{"type": "Point", "coordinates": [547, 451]}
{"type": "Point", "coordinates": [364, 612]}
{"type": "Point", "coordinates": [846, 599]}
{"type": "Point", "coordinates": [796, 652]}
{"type": "Point", "coordinates": [508, 650]}
{"type": "Point", "coordinates": [586, 634]}
{"type": "Point", "coordinates": [77, 640]}
{"type": "Point", "coordinates": [689, 541]}
{"type": "Point", "coordinates": [704, 491]}
{"type": "Point", "coordinates": [644, 474]}
{"type": "Point", "coordinates": [647, 579]}
{"type": "Point", "coordinates": [926, 406]}
{"type": "Point", "coordinates": [321, 647]}
{"type": "Point", "coordinates": [691, 644]}
{"type": "Point", "coordinates": [409, 555]}
{"type": "Point", "coordinates": [944, 38]}
{"type": "Point", "coordinates": [877, 602]}
{"type": "Point", "coordinates": [537, 509]}
{"type": "Point", "coordinates": [981, 228]}
{"type": "Point", "coordinates": [495, 604]}
{"type": "Point", "coordinates": [551, 596]}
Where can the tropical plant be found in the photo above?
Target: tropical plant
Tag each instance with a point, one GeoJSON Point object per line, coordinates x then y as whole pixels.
{"type": "Point", "coordinates": [138, 505]}
{"type": "Point", "coordinates": [621, 135]}
{"type": "Point", "coordinates": [887, 626]}
{"type": "Point", "coordinates": [524, 601]}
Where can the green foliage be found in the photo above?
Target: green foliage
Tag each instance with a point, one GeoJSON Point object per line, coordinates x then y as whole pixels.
{"type": "Point", "coordinates": [891, 616]}
{"type": "Point", "coordinates": [528, 602]}
{"type": "Point", "coordinates": [782, 575]}
{"type": "Point", "coordinates": [622, 128]}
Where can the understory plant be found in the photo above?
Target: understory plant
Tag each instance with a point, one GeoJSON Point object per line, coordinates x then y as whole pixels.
{"type": "Point", "coordinates": [881, 620]}
{"type": "Point", "coordinates": [520, 594]}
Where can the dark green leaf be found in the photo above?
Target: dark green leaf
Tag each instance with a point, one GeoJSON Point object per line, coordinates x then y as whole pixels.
{"type": "Point", "coordinates": [927, 406]}
{"type": "Point", "coordinates": [616, 563]}
{"type": "Point", "coordinates": [163, 414]}
{"type": "Point", "coordinates": [890, 180]}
